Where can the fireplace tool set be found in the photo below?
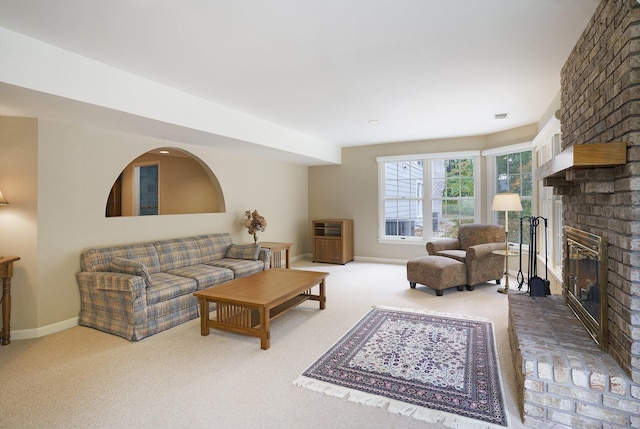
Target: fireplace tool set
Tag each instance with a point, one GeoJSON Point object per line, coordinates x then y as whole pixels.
{"type": "Point", "coordinates": [536, 286]}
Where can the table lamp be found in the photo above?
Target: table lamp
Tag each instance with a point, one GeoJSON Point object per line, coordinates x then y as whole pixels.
{"type": "Point", "coordinates": [506, 202]}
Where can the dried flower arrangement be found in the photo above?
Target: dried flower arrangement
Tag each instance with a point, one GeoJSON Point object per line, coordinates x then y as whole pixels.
{"type": "Point", "coordinates": [254, 223]}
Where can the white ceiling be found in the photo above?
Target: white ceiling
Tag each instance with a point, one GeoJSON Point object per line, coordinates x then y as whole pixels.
{"type": "Point", "coordinates": [425, 69]}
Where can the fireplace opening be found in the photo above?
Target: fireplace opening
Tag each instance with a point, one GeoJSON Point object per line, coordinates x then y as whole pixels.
{"type": "Point", "coordinates": [585, 281]}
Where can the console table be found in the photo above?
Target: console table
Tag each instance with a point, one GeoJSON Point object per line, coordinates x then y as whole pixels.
{"type": "Point", "coordinates": [276, 249]}
{"type": "Point", "coordinates": [6, 272]}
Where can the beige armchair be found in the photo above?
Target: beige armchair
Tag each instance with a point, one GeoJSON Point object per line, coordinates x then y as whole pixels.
{"type": "Point", "coordinates": [474, 247]}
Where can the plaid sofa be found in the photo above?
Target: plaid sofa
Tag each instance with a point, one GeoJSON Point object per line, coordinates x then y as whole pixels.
{"type": "Point", "coordinates": [138, 290]}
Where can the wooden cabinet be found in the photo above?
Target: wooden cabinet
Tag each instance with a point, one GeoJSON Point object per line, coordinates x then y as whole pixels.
{"type": "Point", "coordinates": [333, 240]}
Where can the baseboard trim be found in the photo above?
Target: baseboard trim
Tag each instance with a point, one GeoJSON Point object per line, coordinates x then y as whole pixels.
{"type": "Point", "coordinates": [26, 334]}
{"type": "Point", "coordinates": [380, 260]}
{"type": "Point", "coordinates": [359, 259]}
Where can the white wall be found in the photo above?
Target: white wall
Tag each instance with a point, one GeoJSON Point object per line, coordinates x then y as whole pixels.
{"type": "Point", "coordinates": [76, 167]}
{"type": "Point", "coordinates": [350, 190]}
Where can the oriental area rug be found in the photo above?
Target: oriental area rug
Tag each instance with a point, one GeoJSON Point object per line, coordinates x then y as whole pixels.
{"type": "Point", "coordinates": [437, 368]}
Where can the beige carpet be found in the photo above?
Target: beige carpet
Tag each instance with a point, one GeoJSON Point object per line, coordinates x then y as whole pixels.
{"type": "Point", "coordinates": [83, 378]}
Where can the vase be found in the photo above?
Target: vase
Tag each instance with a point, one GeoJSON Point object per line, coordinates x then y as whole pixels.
{"type": "Point", "coordinates": [255, 236]}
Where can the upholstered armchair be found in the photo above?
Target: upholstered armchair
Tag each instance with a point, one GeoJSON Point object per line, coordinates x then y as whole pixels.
{"type": "Point", "coordinates": [474, 247]}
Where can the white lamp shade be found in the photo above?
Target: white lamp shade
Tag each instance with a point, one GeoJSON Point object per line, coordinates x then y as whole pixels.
{"type": "Point", "coordinates": [506, 202]}
{"type": "Point", "coordinates": [3, 200]}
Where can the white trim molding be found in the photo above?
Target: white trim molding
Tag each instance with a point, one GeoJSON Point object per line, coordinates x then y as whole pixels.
{"type": "Point", "coordinates": [26, 334]}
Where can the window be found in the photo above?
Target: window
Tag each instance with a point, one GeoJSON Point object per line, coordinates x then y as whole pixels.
{"type": "Point", "coordinates": [146, 189]}
{"type": "Point", "coordinates": [448, 200]}
{"type": "Point", "coordinates": [514, 174]}
{"type": "Point", "coordinates": [452, 195]}
{"type": "Point", "coordinates": [403, 198]}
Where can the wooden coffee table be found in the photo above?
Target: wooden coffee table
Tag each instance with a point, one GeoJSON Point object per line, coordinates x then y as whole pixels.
{"type": "Point", "coordinates": [248, 304]}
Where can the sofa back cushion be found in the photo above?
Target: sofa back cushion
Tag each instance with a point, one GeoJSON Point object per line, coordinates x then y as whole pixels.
{"type": "Point", "coordinates": [177, 253]}
{"type": "Point", "coordinates": [100, 258]}
{"type": "Point", "coordinates": [476, 233]}
{"type": "Point", "coordinates": [213, 246]}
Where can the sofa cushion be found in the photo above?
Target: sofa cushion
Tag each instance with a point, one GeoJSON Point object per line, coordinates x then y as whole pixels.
{"type": "Point", "coordinates": [213, 246]}
{"type": "Point", "coordinates": [100, 258]}
{"type": "Point", "coordinates": [168, 286]}
{"type": "Point", "coordinates": [127, 266]}
{"type": "Point", "coordinates": [177, 253]}
{"type": "Point", "coordinates": [206, 275]}
{"type": "Point", "coordinates": [243, 251]}
{"type": "Point", "coordinates": [240, 267]}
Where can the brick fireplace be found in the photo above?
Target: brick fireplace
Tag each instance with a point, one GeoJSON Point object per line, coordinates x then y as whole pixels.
{"type": "Point", "coordinates": [565, 379]}
{"type": "Point", "coordinates": [600, 102]}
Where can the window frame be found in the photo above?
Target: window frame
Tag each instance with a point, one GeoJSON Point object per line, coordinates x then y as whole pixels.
{"type": "Point", "coordinates": [427, 197]}
{"type": "Point", "coordinates": [492, 172]}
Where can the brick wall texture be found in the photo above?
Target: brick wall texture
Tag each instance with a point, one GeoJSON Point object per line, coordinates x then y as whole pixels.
{"type": "Point", "coordinates": [600, 100]}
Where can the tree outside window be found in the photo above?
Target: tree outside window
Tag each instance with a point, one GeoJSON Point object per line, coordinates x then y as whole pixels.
{"type": "Point", "coordinates": [453, 195]}
{"type": "Point", "coordinates": [514, 174]}
{"type": "Point", "coordinates": [450, 198]}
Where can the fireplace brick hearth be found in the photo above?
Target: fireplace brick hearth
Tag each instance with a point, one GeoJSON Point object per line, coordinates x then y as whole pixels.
{"type": "Point", "coordinates": [563, 378]}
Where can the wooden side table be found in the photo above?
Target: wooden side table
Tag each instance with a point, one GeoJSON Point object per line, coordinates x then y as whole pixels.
{"type": "Point", "coordinates": [276, 255]}
{"type": "Point", "coordinates": [6, 272]}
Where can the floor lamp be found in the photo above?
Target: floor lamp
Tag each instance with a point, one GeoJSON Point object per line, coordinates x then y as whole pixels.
{"type": "Point", "coordinates": [506, 203]}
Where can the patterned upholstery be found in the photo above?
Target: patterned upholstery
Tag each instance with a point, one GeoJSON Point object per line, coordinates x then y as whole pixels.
{"type": "Point", "coordinates": [115, 297]}
{"type": "Point", "coordinates": [207, 276]}
{"type": "Point", "coordinates": [243, 251]}
{"type": "Point", "coordinates": [240, 267]}
{"type": "Point", "coordinates": [474, 247]}
{"type": "Point", "coordinates": [437, 272]}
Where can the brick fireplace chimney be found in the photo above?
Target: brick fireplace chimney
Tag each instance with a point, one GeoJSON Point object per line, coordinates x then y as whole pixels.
{"type": "Point", "coordinates": [600, 100]}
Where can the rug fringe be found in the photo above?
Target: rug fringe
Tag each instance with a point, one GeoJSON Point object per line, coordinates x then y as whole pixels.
{"type": "Point", "coordinates": [395, 407]}
{"type": "Point", "coordinates": [434, 313]}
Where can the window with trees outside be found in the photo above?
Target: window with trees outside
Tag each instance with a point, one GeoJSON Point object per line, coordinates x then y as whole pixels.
{"type": "Point", "coordinates": [427, 196]}
{"type": "Point", "coordinates": [514, 174]}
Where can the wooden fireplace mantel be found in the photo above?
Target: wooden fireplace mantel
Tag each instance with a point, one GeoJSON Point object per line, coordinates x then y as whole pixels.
{"type": "Point", "coordinates": [594, 155]}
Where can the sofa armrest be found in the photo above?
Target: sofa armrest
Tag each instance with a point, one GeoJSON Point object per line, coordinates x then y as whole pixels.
{"type": "Point", "coordinates": [265, 256]}
{"type": "Point", "coordinates": [437, 245]}
{"type": "Point", "coordinates": [113, 302]}
{"type": "Point", "coordinates": [482, 250]}
{"type": "Point", "coordinates": [101, 280]}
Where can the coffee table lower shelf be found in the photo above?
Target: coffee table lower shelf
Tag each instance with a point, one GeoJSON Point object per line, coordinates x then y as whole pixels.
{"type": "Point", "coordinates": [238, 311]}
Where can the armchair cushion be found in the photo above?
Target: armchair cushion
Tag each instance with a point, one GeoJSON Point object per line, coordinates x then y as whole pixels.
{"type": "Point", "coordinates": [458, 255]}
{"type": "Point", "coordinates": [476, 233]}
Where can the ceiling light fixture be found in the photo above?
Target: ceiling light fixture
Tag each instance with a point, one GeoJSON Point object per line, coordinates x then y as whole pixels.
{"type": "Point", "coordinates": [374, 121]}
{"type": "Point", "coordinates": [500, 116]}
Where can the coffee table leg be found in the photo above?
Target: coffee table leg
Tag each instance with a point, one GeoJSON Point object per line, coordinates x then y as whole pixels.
{"type": "Point", "coordinates": [323, 298]}
{"type": "Point", "coordinates": [204, 316]}
{"type": "Point", "coordinates": [265, 335]}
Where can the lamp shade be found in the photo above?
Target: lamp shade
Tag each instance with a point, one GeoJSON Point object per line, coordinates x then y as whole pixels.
{"type": "Point", "coordinates": [506, 202]}
{"type": "Point", "coordinates": [3, 200]}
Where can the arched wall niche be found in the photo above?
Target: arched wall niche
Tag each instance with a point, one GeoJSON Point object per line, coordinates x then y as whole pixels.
{"type": "Point", "coordinates": [165, 181]}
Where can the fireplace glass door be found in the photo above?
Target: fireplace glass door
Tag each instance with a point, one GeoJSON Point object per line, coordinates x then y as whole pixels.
{"type": "Point", "coordinates": [586, 281]}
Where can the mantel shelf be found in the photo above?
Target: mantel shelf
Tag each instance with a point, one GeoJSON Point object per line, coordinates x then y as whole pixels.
{"type": "Point", "coordinates": [593, 155]}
